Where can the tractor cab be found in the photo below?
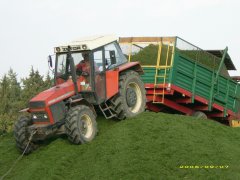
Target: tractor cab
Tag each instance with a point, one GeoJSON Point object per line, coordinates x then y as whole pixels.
{"type": "Point", "coordinates": [86, 62]}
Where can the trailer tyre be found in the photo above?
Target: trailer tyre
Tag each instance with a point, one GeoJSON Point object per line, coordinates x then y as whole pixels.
{"type": "Point", "coordinates": [22, 136]}
{"type": "Point", "coordinates": [199, 115]}
{"type": "Point", "coordinates": [80, 125]}
{"type": "Point", "coordinates": [131, 99]}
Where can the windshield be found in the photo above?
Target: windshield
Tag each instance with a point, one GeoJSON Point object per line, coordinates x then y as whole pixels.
{"type": "Point", "coordinates": [63, 68]}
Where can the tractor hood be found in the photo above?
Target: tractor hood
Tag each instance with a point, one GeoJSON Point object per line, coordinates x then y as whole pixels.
{"type": "Point", "coordinates": [53, 95]}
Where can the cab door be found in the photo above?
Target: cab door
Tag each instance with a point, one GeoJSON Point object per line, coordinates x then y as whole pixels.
{"type": "Point", "coordinates": [112, 60]}
{"type": "Point", "coordinates": [99, 75]}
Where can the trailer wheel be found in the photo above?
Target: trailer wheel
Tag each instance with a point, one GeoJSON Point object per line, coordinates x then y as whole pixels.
{"type": "Point", "coordinates": [80, 125]}
{"type": "Point", "coordinates": [131, 99]}
{"type": "Point", "coordinates": [199, 115]}
{"type": "Point", "coordinates": [22, 136]}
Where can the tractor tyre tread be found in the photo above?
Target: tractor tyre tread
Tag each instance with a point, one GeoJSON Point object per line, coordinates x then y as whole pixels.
{"type": "Point", "coordinates": [71, 124]}
{"type": "Point", "coordinates": [118, 101]}
{"type": "Point", "coordinates": [21, 136]}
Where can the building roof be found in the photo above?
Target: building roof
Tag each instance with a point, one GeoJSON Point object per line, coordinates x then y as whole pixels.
{"type": "Point", "coordinates": [86, 43]}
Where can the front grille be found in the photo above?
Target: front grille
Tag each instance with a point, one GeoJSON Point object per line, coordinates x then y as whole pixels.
{"type": "Point", "coordinates": [40, 116]}
{"type": "Point", "coordinates": [58, 111]}
{"type": "Point", "coordinates": [36, 104]}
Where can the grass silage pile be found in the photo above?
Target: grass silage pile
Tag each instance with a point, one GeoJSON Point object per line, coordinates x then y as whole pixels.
{"type": "Point", "coordinates": [148, 56]}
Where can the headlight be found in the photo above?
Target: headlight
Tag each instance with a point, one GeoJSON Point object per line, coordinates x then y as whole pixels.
{"type": "Point", "coordinates": [39, 115]}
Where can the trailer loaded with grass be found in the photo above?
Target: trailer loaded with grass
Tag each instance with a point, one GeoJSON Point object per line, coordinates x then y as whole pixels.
{"type": "Point", "coordinates": [182, 78]}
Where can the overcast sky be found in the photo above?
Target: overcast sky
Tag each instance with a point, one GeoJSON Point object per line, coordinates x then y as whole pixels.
{"type": "Point", "coordinates": [31, 28]}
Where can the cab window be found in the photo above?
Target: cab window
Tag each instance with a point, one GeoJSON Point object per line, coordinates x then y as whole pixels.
{"type": "Point", "coordinates": [111, 49]}
{"type": "Point", "coordinates": [98, 60]}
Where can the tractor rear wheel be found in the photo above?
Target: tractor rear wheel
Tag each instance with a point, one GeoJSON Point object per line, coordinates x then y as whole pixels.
{"type": "Point", "coordinates": [199, 115]}
{"type": "Point", "coordinates": [131, 99]}
{"type": "Point", "coordinates": [80, 125]}
{"type": "Point", "coordinates": [21, 135]}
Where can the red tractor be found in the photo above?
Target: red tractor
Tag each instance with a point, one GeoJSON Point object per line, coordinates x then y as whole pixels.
{"type": "Point", "coordinates": [91, 75]}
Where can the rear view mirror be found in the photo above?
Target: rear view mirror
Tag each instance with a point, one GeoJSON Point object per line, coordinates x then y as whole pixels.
{"type": "Point", "coordinates": [50, 61]}
{"type": "Point", "coordinates": [112, 57]}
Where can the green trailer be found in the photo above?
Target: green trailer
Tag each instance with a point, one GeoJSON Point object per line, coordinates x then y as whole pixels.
{"type": "Point", "coordinates": [180, 77]}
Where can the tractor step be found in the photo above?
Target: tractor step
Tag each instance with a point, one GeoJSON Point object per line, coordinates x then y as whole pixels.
{"type": "Point", "coordinates": [107, 111]}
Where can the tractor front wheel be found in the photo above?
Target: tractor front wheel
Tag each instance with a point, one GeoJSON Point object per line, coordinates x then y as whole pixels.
{"type": "Point", "coordinates": [21, 135]}
{"type": "Point", "coordinates": [80, 125]}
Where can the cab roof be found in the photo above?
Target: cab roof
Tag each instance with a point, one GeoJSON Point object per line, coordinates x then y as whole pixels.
{"type": "Point", "coordinates": [86, 43]}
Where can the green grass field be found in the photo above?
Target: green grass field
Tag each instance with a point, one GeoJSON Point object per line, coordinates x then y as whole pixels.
{"type": "Point", "coordinates": [149, 146]}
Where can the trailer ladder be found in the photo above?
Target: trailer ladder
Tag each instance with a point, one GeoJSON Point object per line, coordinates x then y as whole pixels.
{"type": "Point", "coordinates": [158, 73]}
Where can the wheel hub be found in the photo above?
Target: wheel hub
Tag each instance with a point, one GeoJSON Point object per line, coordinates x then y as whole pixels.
{"type": "Point", "coordinates": [131, 97]}
{"type": "Point", "coordinates": [84, 127]}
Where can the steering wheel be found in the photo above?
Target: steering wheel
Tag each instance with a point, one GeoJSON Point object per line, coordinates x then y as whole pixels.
{"type": "Point", "coordinates": [84, 73]}
{"type": "Point", "coordinates": [79, 72]}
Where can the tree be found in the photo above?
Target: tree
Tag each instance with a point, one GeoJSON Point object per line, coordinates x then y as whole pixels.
{"type": "Point", "coordinates": [13, 97]}
{"type": "Point", "coordinates": [10, 91]}
{"type": "Point", "coordinates": [4, 94]}
{"type": "Point", "coordinates": [14, 92]}
{"type": "Point", "coordinates": [32, 85]}
{"type": "Point", "coordinates": [48, 82]}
